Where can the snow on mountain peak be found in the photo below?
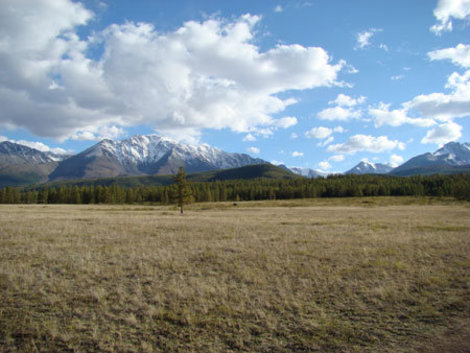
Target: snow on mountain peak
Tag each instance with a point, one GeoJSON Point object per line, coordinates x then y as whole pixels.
{"type": "Point", "coordinates": [149, 149]}
{"type": "Point", "coordinates": [367, 167]}
{"type": "Point", "coordinates": [453, 153]}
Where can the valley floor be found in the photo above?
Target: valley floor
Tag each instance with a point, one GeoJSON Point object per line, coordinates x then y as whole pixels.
{"type": "Point", "coordinates": [345, 275]}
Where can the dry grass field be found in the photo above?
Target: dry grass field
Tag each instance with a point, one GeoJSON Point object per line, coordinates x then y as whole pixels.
{"type": "Point", "coordinates": [342, 275]}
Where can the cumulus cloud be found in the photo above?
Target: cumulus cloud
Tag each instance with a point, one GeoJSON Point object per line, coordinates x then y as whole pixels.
{"type": "Point", "coordinates": [339, 113]}
{"type": "Point", "coordinates": [37, 146]}
{"type": "Point", "coordinates": [384, 116]}
{"type": "Point", "coordinates": [339, 129]}
{"type": "Point", "coordinates": [344, 109]}
{"type": "Point", "coordinates": [319, 132]}
{"type": "Point", "coordinates": [363, 38]}
{"type": "Point", "coordinates": [324, 165]}
{"type": "Point", "coordinates": [249, 138]}
{"type": "Point", "coordinates": [323, 133]}
{"type": "Point", "coordinates": [207, 74]}
{"type": "Point", "coordinates": [438, 106]}
{"type": "Point", "coordinates": [336, 158]}
{"type": "Point", "coordinates": [383, 46]}
{"type": "Point", "coordinates": [347, 101]}
{"type": "Point", "coordinates": [359, 143]}
{"type": "Point", "coordinates": [445, 107]}
{"type": "Point", "coordinates": [448, 9]}
{"type": "Point", "coordinates": [297, 154]}
{"type": "Point", "coordinates": [95, 133]}
{"type": "Point", "coordinates": [286, 122]}
{"type": "Point", "coordinates": [254, 150]}
{"type": "Point", "coordinates": [395, 160]}
{"type": "Point", "coordinates": [460, 55]}
{"type": "Point", "coordinates": [278, 8]}
{"type": "Point", "coordinates": [326, 142]}
{"type": "Point", "coordinates": [397, 77]}
{"type": "Point", "coordinates": [443, 133]}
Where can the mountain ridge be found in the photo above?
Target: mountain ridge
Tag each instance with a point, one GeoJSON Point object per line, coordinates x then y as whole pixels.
{"type": "Point", "coordinates": [144, 155]}
{"type": "Point", "coordinates": [367, 167]}
{"type": "Point", "coordinates": [452, 154]}
{"type": "Point", "coordinates": [155, 155]}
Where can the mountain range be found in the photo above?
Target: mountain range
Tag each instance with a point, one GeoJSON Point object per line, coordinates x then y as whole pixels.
{"type": "Point", "coordinates": [155, 155]}
{"type": "Point", "coordinates": [366, 167]}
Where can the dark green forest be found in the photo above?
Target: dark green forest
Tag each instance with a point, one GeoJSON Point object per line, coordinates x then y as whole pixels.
{"type": "Point", "coordinates": [457, 186]}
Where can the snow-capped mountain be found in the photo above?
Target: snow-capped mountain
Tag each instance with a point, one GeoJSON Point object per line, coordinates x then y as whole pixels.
{"type": "Point", "coordinates": [152, 154]}
{"type": "Point", "coordinates": [23, 165]}
{"type": "Point", "coordinates": [452, 156]}
{"type": "Point", "coordinates": [453, 153]}
{"type": "Point", "coordinates": [21, 153]}
{"type": "Point", "coordinates": [307, 172]}
{"type": "Point", "coordinates": [366, 167]}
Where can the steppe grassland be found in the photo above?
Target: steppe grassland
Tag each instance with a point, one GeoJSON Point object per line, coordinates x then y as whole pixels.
{"type": "Point", "coordinates": [382, 274]}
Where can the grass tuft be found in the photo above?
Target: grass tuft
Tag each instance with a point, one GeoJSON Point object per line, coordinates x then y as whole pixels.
{"type": "Point", "coordinates": [388, 275]}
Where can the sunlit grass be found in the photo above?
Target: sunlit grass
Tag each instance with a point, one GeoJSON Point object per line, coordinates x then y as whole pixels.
{"type": "Point", "coordinates": [383, 274]}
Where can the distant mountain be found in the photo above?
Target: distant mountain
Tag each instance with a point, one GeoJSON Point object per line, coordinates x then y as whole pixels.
{"type": "Point", "coordinates": [147, 155]}
{"type": "Point", "coordinates": [20, 165]}
{"type": "Point", "coordinates": [267, 171]}
{"type": "Point", "coordinates": [366, 167]}
{"type": "Point", "coordinates": [307, 172]}
{"type": "Point", "coordinates": [451, 158]}
{"type": "Point", "coordinates": [142, 158]}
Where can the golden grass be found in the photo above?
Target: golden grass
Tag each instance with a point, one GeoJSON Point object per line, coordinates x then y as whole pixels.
{"type": "Point", "coordinates": [346, 275]}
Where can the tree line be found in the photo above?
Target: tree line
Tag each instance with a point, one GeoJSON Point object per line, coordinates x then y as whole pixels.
{"type": "Point", "coordinates": [457, 186]}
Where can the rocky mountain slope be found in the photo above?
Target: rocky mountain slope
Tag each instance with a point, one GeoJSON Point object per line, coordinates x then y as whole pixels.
{"type": "Point", "coordinates": [366, 167]}
{"type": "Point", "coordinates": [452, 157]}
{"type": "Point", "coordinates": [24, 165]}
{"type": "Point", "coordinates": [147, 155]}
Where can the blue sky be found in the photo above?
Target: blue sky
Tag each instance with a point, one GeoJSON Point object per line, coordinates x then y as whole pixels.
{"type": "Point", "coordinates": [319, 84]}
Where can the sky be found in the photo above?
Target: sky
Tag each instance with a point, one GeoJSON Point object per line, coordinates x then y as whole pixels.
{"type": "Point", "coordinates": [321, 84]}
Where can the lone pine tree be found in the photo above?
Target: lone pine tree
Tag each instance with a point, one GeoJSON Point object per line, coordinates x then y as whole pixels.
{"type": "Point", "coordinates": [183, 191]}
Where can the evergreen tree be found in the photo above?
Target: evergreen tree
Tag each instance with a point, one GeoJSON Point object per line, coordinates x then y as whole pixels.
{"type": "Point", "coordinates": [183, 193]}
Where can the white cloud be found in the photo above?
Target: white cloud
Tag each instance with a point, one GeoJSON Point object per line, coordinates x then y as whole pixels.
{"type": "Point", "coordinates": [319, 132]}
{"type": "Point", "coordinates": [383, 46]}
{"type": "Point", "coordinates": [395, 160]}
{"type": "Point", "coordinates": [439, 106]}
{"type": "Point", "coordinates": [339, 129]}
{"type": "Point", "coordinates": [384, 116]}
{"type": "Point", "coordinates": [363, 38]}
{"type": "Point", "coordinates": [297, 154]}
{"type": "Point", "coordinates": [443, 106]}
{"type": "Point", "coordinates": [324, 165]}
{"type": "Point", "coordinates": [322, 132]}
{"type": "Point", "coordinates": [254, 150]}
{"type": "Point", "coordinates": [359, 143]}
{"type": "Point", "coordinates": [343, 111]}
{"type": "Point", "coordinates": [397, 77]}
{"type": "Point", "coordinates": [339, 113]}
{"type": "Point", "coordinates": [278, 8]}
{"type": "Point", "coordinates": [286, 122]}
{"type": "Point", "coordinates": [207, 74]}
{"type": "Point", "coordinates": [326, 142]}
{"type": "Point", "coordinates": [347, 101]}
{"type": "Point", "coordinates": [460, 55]}
{"type": "Point", "coordinates": [95, 133]}
{"type": "Point", "coordinates": [448, 9]}
{"type": "Point", "coordinates": [443, 133]}
{"type": "Point", "coordinates": [336, 158]}
{"type": "Point", "coordinates": [249, 138]}
{"type": "Point", "coordinates": [37, 146]}
{"type": "Point", "coordinates": [294, 135]}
